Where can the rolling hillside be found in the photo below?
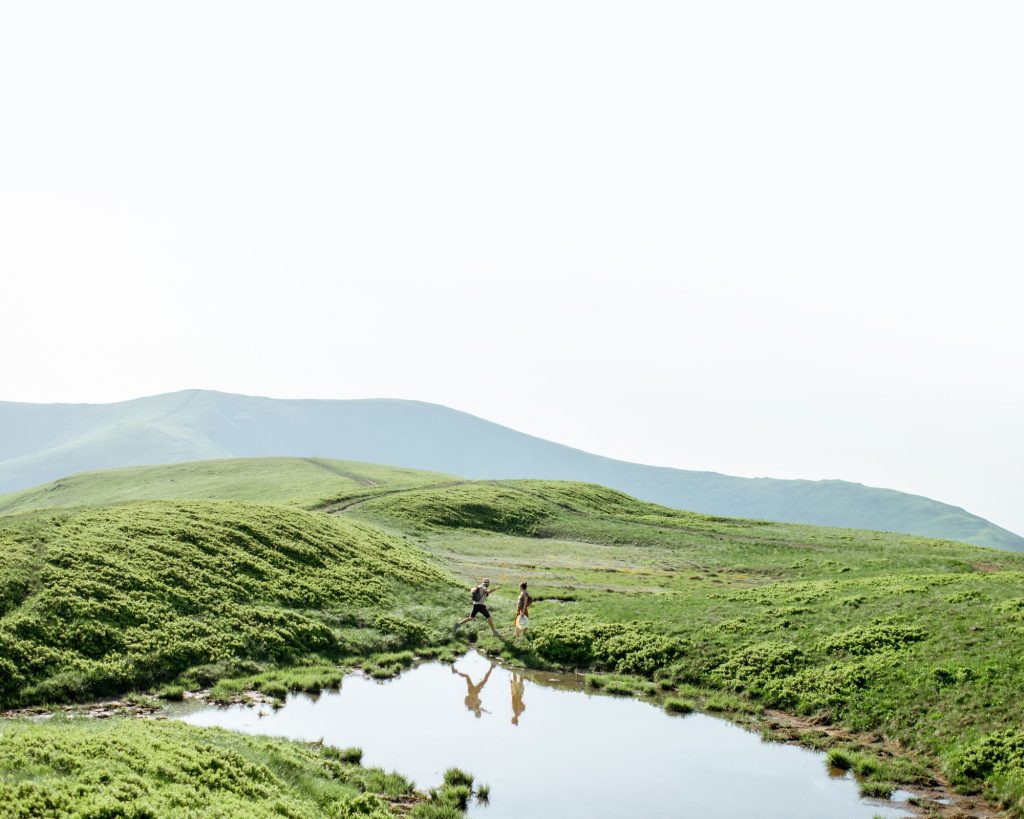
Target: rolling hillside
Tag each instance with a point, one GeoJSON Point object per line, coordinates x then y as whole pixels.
{"type": "Point", "coordinates": [905, 643]}
{"type": "Point", "coordinates": [300, 482]}
{"type": "Point", "coordinates": [41, 442]}
{"type": "Point", "coordinates": [95, 601]}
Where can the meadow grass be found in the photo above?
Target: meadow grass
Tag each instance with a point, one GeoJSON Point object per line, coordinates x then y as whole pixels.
{"type": "Point", "coordinates": [904, 637]}
{"type": "Point", "coordinates": [130, 767]}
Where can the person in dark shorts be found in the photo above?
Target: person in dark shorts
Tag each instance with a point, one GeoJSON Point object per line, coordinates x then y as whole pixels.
{"type": "Point", "coordinates": [479, 595]}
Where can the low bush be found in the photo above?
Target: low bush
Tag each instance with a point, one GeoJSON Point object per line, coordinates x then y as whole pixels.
{"type": "Point", "coordinates": [997, 752]}
{"type": "Point", "coordinates": [408, 632]}
{"type": "Point", "coordinates": [758, 666]}
{"type": "Point", "coordinates": [872, 639]}
{"type": "Point", "coordinates": [627, 648]}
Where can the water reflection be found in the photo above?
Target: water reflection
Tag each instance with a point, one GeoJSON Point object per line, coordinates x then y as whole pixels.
{"type": "Point", "coordinates": [473, 690]}
{"type": "Point", "coordinates": [577, 756]}
{"type": "Point", "coordinates": [518, 685]}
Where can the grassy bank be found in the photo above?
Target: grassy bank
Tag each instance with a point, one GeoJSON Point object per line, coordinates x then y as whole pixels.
{"type": "Point", "coordinates": [97, 602]}
{"type": "Point", "coordinates": [143, 768]}
{"type": "Point", "coordinates": [889, 635]}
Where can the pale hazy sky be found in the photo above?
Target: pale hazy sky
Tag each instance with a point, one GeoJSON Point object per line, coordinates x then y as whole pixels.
{"type": "Point", "coordinates": [761, 238]}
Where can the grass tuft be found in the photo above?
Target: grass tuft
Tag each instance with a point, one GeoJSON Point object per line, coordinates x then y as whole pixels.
{"type": "Point", "coordinates": [456, 777]}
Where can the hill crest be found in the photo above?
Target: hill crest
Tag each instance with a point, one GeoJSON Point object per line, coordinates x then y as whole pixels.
{"type": "Point", "coordinates": [41, 442]}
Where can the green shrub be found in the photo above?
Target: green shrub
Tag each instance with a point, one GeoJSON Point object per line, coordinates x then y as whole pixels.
{"type": "Point", "coordinates": [945, 675]}
{"type": "Point", "coordinates": [1012, 609]}
{"type": "Point", "coordinates": [678, 706]}
{"type": "Point", "coordinates": [994, 753]}
{"type": "Point", "coordinates": [364, 806]}
{"type": "Point", "coordinates": [872, 639]}
{"type": "Point", "coordinates": [758, 665]}
{"type": "Point", "coordinates": [408, 632]}
{"type": "Point", "coordinates": [820, 687]}
{"type": "Point", "coordinates": [632, 648]}
{"type": "Point", "coordinates": [965, 596]}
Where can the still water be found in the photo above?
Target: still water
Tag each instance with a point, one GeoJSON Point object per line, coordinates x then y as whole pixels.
{"type": "Point", "coordinates": [548, 748]}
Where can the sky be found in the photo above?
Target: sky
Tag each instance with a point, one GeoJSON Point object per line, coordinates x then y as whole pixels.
{"type": "Point", "coordinates": [766, 239]}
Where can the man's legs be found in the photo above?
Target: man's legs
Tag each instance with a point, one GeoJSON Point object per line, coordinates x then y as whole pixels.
{"type": "Point", "coordinates": [490, 622]}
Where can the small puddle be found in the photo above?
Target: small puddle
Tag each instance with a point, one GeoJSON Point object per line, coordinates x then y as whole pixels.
{"type": "Point", "coordinates": [546, 747]}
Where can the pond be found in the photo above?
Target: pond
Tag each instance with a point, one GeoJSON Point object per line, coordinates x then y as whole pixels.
{"type": "Point", "coordinates": [547, 747]}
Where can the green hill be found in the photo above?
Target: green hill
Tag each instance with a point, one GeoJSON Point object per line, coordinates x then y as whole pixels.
{"type": "Point", "coordinates": [907, 638]}
{"type": "Point", "coordinates": [100, 601]}
{"type": "Point", "coordinates": [42, 442]}
{"type": "Point", "coordinates": [300, 482]}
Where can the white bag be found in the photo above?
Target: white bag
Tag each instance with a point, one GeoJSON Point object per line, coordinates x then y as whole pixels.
{"type": "Point", "coordinates": [523, 622]}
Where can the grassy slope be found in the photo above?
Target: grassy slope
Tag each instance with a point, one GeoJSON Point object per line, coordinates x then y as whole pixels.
{"type": "Point", "coordinates": [302, 482]}
{"type": "Point", "coordinates": [39, 442]}
{"type": "Point", "coordinates": [141, 768]}
{"type": "Point", "coordinates": [914, 638]}
{"type": "Point", "coordinates": [99, 601]}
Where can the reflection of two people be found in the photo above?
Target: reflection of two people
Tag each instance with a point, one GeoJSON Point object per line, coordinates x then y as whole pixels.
{"type": "Point", "coordinates": [473, 690]}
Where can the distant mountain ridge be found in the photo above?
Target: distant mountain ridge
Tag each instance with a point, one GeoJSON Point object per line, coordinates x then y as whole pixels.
{"type": "Point", "coordinates": [41, 442]}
